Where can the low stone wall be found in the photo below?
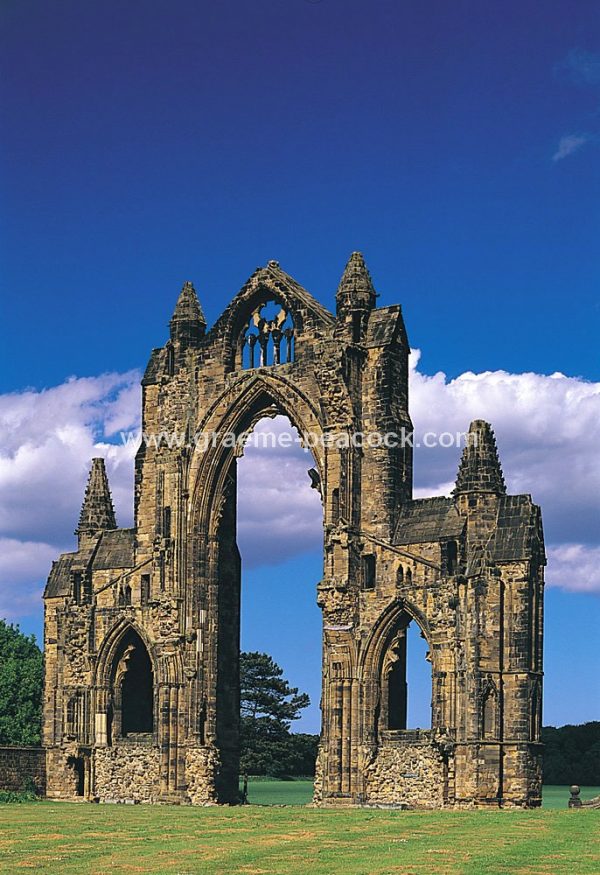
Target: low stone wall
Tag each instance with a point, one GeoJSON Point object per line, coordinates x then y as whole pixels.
{"type": "Point", "coordinates": [405, 773]}
{"type": "Point", "coordinates": [127, 772]}
{"type": "Point", "coordinates": [22, 768]}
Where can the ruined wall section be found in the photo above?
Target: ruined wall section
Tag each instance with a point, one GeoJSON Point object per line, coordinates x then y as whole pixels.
{"type": "Point", "coordinates": [415, 773]}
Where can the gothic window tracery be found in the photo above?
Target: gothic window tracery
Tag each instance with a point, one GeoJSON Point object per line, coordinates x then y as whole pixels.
{"type": "Point", "coordinates": [268, 336]}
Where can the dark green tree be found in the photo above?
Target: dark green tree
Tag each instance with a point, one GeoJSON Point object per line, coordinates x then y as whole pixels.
{"type": "Point", "coordinates": [21, 678]}
{"type": "Point", "coordinates": [572, 754]}
{"type": "Point", "coordinates": [268, 705]}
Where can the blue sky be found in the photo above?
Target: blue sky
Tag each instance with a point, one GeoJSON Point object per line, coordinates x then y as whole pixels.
{"type": "Point", "coordinates": [455, 144]}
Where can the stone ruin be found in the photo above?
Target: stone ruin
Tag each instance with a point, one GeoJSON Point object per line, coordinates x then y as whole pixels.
{"type": "Point", "coordinates": [142, 625]}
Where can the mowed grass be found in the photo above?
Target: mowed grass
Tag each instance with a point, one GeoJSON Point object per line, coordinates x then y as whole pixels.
{"type": "Point", "coordinates": [263, 792]}
{"type": "Point", "coordinates": [68, 838]}
{"type": "Point", "coordinates": [558, 797]}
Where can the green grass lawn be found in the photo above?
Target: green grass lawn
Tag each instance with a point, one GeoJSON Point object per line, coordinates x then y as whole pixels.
{"type": "Point", "coordinates": [66, 838]}
{"type": "Point", "coordinates": [263, 792]}
{"type": "Point", "coordinates": [558, 797]}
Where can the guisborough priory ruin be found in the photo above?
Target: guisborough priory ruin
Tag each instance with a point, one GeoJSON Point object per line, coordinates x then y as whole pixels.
{"type": "Point", "coordinates": [142, 625]}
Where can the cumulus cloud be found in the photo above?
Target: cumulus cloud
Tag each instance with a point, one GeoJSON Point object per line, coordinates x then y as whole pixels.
{"type": "Point", "coordinates": [47, 439]}
{"type": "Point", "coordinates": [575, 567]}
{"type": "Point", "coordinates": [23, 567]}
{"type": "Point", "coordinates": [279, 514]}
{"type": "Point", "coordinates": [570, 143]}
{"type": "Point", "coordinates": [546, 426]}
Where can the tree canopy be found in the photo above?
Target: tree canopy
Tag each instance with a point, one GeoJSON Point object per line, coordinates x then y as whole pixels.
{"type": "Point", "coordinates": [21, 678]}
{"type": "Point", "coordinates": [265, 693]}
{"type": "Point", "coordinates": [572, 754]}
{"type": "Point", "coordinates": [268, 705]}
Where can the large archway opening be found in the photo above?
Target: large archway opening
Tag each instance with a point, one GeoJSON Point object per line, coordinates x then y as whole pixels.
{"type": "Point", "coordinates": [280, 539]}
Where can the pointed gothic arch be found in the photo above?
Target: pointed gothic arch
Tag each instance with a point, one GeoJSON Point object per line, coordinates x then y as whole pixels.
{"type": "Point", "coordinates": [213, 498]}
{"type": "Point", "coordinates": [125, 685]}
{"type": "Point", "coordinates": [384, 665]}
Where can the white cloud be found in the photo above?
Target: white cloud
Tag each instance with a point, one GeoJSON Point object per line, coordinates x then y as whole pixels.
{"type": "Point", "coordinates": [570, 143]}
{"type": "Point", "coordinates": [48, 438]}
{"type": "Point", "coordinates": [574, 567]}
{"type": "Point", "coordinates": [279, 514]}
{"type": "Point", "coordinates": [546, 426]}
{"type": "Point", "coordinates": [547, 433]}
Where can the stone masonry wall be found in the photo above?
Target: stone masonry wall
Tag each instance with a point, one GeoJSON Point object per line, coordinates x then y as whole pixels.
{"type": "Point", "coordinates": [410, 774]}
{"type": "Point", "coordinates": [201, 766]}
{"type": "Point", "coordinates": [22, 766]}
{"type": "Point", "coordinates": [127, 772]}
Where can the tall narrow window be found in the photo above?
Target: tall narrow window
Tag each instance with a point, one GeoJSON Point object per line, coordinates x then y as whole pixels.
{"type": "Point", "coordinates": [170, 360]}
{"type": "Point", "coordinates": [77, 587]}
{"type": "Point", "coordinates": [396, 683]}
{"type": "Point", "coordinates": [133, 688]}
{"type": "Point", "coordinates": [488, 716]}
{"type": "Point", "coordinates": [145, 589]}
{"type": "Point", "coordinates": [166, 522]}
{"type": "Point", "coordinates": [335, 506]}
{"type": "Point", "coordinates": [137, 694]}
{"type": "Point", "coordinates": [406, 681]}
{"type": "Point", "coordinates": [369, 571]}
{"type": "Point", "coordinates": [450, 556]}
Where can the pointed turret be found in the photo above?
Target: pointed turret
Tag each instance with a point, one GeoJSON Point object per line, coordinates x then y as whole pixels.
{"type": "Point", "coordinates": [355, 297]}
{"type": "Point", "coordinates": [355, 290]}
{"type": "Point", "coordinates": [187, 324]}
{"type": "Point", "coordinates": [479, 469]}
{"type": "Point", "coordinates": [97, 512]}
